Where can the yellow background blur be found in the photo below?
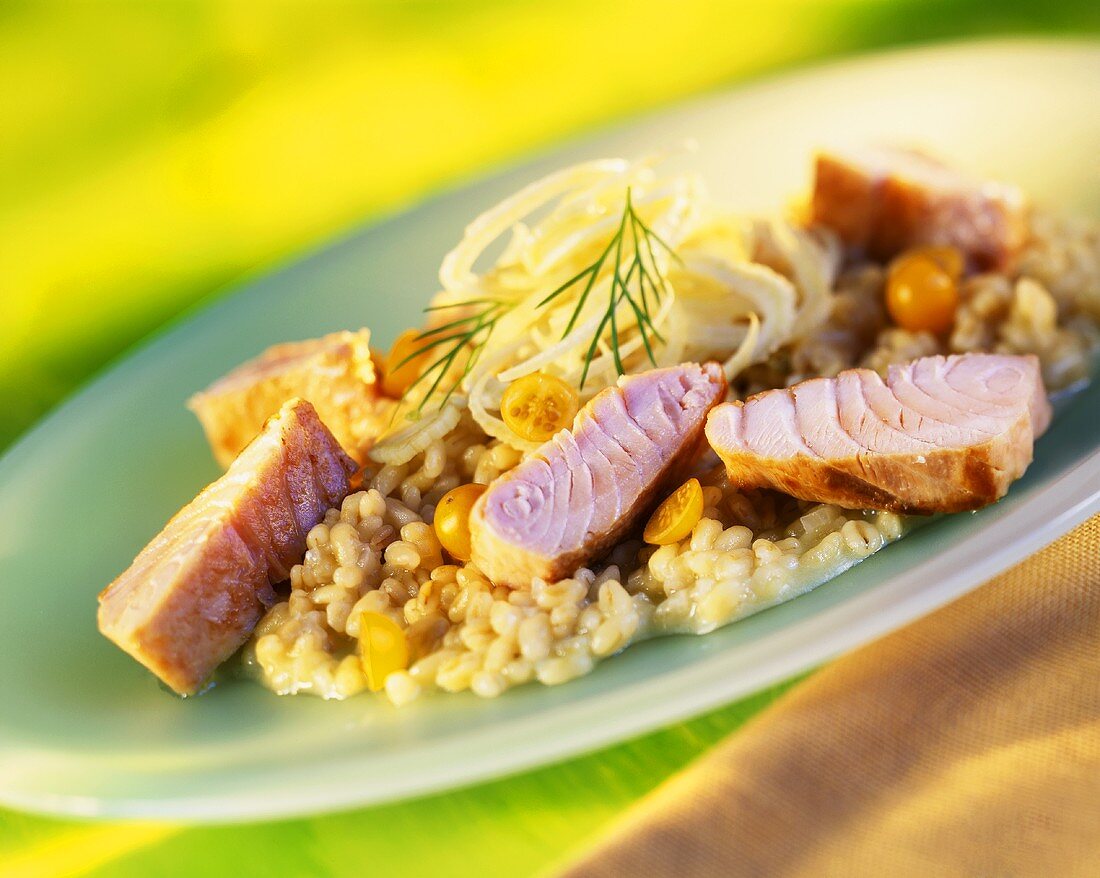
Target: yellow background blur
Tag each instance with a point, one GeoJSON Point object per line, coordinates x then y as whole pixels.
{"type": "Point", "coordinates": [154, 152]}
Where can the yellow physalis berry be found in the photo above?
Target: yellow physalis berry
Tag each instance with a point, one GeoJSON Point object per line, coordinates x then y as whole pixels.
{"type": "Point", "coordinates": [949, 258]}
{"type": "Point", "coordinates": [402, 364]}
{"type": "Point", "coordinates": [382, 648]}
{"type": "Point", "coordinates": [452, 519]}
{"type": "Point", "coordinates": [920, 294]}
{"type": "Point", "coordinates": [674, 519]}
{"type": "Point", "coordinates": [537, 406]}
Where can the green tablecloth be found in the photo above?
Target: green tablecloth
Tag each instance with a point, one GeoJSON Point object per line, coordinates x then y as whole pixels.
{"type": "Point", "coordinates": [154, 153]}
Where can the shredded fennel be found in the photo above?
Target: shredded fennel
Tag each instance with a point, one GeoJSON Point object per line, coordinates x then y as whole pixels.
{"type": "Point", "coordinates": [720, 288]}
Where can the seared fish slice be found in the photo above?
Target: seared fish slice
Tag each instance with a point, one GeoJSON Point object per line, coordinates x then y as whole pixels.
{"type": "Point", "coordinates": [939, 435]}
{"type": "Point", "coordinates": [588, 486]}
{"type": "Point", "coordinates": [886, 200]}
{"type": "Point", "coordinates": [335, 373]}
{"type": "Point", "coordinates": [193, 595]}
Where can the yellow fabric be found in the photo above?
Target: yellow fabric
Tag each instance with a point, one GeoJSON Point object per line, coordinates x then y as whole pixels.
{"type": "Point", "coordinates": [965, 744]}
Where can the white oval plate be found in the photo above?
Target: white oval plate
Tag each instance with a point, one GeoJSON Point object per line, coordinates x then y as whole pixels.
{"type": "Point", "coordinates": [85, 731]}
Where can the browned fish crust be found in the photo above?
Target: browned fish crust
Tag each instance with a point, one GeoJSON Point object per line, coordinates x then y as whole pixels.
{"type": "Point", "coordinates": [886, 200]}
{"type": "Point", "coordinates": [336, 373]}
{"type": "Point", "coordinates": [947, 464]}
{"type": "Point", "coordinates": [193, 595]}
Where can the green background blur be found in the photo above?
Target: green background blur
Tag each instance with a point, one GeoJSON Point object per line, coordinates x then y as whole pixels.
{"type": "Point", "coordinates": [155, 152]}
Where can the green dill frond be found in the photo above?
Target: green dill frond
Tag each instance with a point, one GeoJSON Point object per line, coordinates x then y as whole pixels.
{"type": "Point", "coordinates": [468, 338]}
{"type": "Point", "coordinates": [457, 344]}
{"type": "Point", "coordinates": [641, 286]}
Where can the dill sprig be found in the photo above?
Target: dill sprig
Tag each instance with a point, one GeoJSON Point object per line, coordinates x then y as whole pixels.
{"type": "Point", "coordinates": [634, 285]}
{"type": "Point", "coordinates": [640, 284]}
{"type": "Point", "coordinates": [468, 334]}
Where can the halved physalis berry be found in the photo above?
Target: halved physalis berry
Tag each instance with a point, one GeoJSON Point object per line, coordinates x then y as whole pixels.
{"type": "Point", "coordinates": [383, 648]}
{"type": "Point", "coordinates": [674, 519]}
{"type": "Point", "coordinates": [537, 406]}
